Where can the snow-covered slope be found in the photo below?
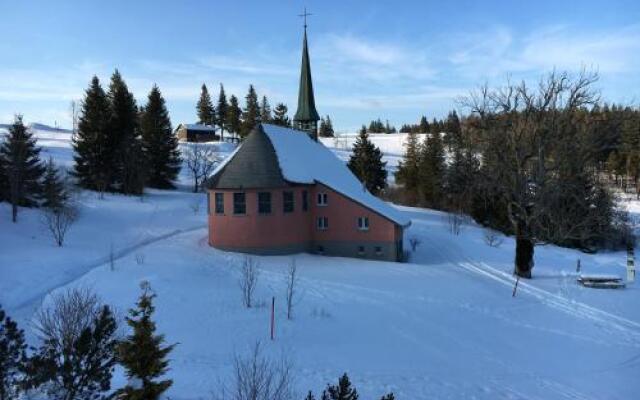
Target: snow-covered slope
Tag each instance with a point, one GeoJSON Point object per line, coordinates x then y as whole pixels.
{"type": "Point", "coordinates": [442, 326]}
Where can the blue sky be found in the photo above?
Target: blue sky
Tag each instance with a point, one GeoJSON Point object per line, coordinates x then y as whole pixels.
{"type": "Point", "coordinates": [393, 60]}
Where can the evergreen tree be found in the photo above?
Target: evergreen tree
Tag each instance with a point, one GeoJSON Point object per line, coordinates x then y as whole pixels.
{"type": "Point", "coordinates": [408, 173]}
{"type": "Point", "coordinates": [424, 125]}
{"type": "Point", "coordinates": [4, 184]}
{"type": "Point", "coordinates": [309, 396]}
{"type": "Point", "coordinates": [128, 163]}
{"type": "Point", "coordinates": [143, 354]}
{"type": "Point", "coordinates": [341, 391]}
{"type": "Point", "coordinates": [265, 110]}
{"type": "Point", "coordinates": [206, 112]}
{"type": "Point", "coordinates": [159, 144]}
{"type": "Point", "coordinates": [221, 111]}
{"type": "Point", "coordinates": [91, 144]}
{"type": "Point", "coordinates": [21, 161]}
{"type": "Point", "coordinates": [13, 357]}
{"type": "Point", "coordinates": [326, 127]}
{"type": "Point", "coordinates": [366, 163]}
{"type": "Point", "coordinates": [233, 116]}
{"type": "Point", "coordinates": [251, 112]}
{"type": "Point", "coordinates": [81, 369]}
{"type": "Point", "coordinates": [54, 193]}
{"type": "Point", "coordinates": [389, 396]}
{"type": "Point", "coordinates": [280, 115]}
{"type": "Point", "coordinates": [432, 170]}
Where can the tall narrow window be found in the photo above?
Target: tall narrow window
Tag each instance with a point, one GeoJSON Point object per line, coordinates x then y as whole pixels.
{"type": "Point", "coordinates": [323, 223]}
{"type": "Point", "coordinates": [219, 199]}
{"type": "Point", "coordinates": [264, 203]}
{"type": "Point", "coordinates": [239, 203]}
{"type": "Point", "coordinates": [363, 223]}
{"type": "Point", "coordinates": [287, 202]}
{"type": "Point", "coordinates": [305, 200]}
{"type": "Point", "coordinates": [322, 199]}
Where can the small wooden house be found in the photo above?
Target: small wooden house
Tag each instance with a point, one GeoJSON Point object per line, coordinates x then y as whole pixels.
{"type": "Point", "coordinates": [196, 133]}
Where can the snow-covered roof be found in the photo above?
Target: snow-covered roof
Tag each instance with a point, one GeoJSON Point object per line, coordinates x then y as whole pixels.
{"type": "Point", "coordinates": [199, 127]}
{"type": "Point", "coordinates": [303, 160]}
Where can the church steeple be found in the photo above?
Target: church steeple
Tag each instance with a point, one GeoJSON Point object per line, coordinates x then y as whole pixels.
{"type": "Point", "coordinates": [306, 117]}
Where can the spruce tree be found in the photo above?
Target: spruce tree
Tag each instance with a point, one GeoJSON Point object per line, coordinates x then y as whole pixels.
{"type": "Point", "coordinates": [92, 142]}
{"type": "Point", "coordinates": [4, 184]}
{"type": "Point", "coordinates": [54, 193]}
{"type": "Point", "coordinates": [128, 163]}
{"type": "Point", "coordinates": [424, 125]}
{"type": "Point", "coordinates": [250, 113]}
{"type": "Point", "coordinates": [206, 112]}
{"type": "Point", "coordinates": [366, 163]}
{"type": "Point", "coordinates": [408, 173]}
{"type": "Point", "coordinates": [265, 110]}
{"type": "Point", "coordinates": [233, 123]}
{"type": "Point", "coordinates": [13, 357]}
{"type": "Point", "coordinates": [21, 160]}
{"type": "Point", "coordinates": [143, 354]}
{"type": "Point", "coordinates": [432, 170]}
{"type": "Point", "coordinates": [341, 391]}
{"type": "Point", "coordinates": [83, 368]}
{"type": "Point", "coordinates": [280, 115]}
{"type": "Point", "coordinates": [221, 111]}
{"type": "Point", "coordinates": [326, 127]}
{"type": "Point", "coordinates": [159, 144]}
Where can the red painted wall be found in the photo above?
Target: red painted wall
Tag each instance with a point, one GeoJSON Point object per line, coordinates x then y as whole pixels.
{"type": "Point", "coordinates": [254, 230]}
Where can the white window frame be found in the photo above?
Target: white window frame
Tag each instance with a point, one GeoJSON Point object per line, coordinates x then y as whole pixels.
{"type": "Point", "coordinates": [322, 200]}
{"type": "Point", "coordinates": [322, 223]}
{"type": "Point", "coordinates": [363, 223]}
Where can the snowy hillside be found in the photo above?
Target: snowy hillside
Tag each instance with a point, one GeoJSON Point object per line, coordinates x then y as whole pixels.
{"type": "Point", "coordinates": [442, 326]}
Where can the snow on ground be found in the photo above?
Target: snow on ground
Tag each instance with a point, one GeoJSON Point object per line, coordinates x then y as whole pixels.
{"type": "Point", "coordinates": [442, 326]}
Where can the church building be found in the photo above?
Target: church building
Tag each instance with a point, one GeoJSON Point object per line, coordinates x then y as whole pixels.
{"type": "Point", "coordinates": [283, 192]}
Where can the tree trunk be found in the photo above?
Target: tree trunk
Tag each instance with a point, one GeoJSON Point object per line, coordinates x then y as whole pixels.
{"type": "Point", "coordinates": [524, 257]}
{"type": "Point", "coordinates": [14, 212]}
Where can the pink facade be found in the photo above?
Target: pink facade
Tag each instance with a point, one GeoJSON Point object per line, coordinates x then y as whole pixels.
{"type": "Point", "coordinates": [351, 229]}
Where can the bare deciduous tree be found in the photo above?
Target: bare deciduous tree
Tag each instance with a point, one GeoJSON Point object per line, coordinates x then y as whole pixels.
{"type": "Point", "coordinates": [291, 281]}
{"type": "Point", "coordinates": [58, 221]}
{"type": "Point", "coordinates": [201, 160]}
{"type": "Point", "coordinates": [414, 242]}
{"type": "Point", "coordinates": [492, 239]}
{"type": "Point", "coordinates": [248, 280]}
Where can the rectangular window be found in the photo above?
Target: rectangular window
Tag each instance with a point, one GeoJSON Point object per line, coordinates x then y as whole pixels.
{"type": "Point", "coordinates": [219, 199]}
{"type": "Point", "coordinates": [378, 250]}
{"type": "Point", "coordinates": [264, 203]}
{"type": "Point", "coordinates": [305, 200]}
{"type": "Point", "coordinates": [239, 203]}
{"type": "Point", "coordinates": [320, 250]}
{"type": "Point", "coordinates": [287, 202]}
{"type": "Point", "coordinates": [363, 223]}
{"type": "Point", "coordinates": [323, 223]}
{"type": "Point", "coordinates": [360, 250]}
{"type": "Point", "coordinates": [322, 199]}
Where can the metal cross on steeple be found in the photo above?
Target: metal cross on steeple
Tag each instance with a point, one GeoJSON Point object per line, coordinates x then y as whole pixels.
{"type": "Point", "coordinates": [304, 15]}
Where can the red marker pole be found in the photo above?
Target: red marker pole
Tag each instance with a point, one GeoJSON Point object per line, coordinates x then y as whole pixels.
{"type": "Point", "coordinates": [273, 318]}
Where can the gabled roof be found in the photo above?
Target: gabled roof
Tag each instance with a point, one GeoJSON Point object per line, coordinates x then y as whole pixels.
{"type": "Point", "coordinates": [198, 127]}
{"type": "Point", "coordinates": [306, 101]}
{"type": "Point", "coordinates": [273, 156]}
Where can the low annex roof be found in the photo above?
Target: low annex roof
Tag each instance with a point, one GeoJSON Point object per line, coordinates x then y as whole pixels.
{"type": "Point", "coordinates": [298, 159]}
{"type": "Point", "coordinates": [199, 127]}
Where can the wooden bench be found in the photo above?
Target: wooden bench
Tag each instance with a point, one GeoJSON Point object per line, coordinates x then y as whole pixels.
{"type": "Point", "coordinates": [601, 281]}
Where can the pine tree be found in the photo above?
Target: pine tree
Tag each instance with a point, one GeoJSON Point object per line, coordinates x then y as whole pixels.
{"type": "Point", "coordinates": [424, 125]}
{"type": "Point", "coordinates": [4, 184]}
{"type": "Point", "coordinates": [280, 115]}
{"type": "Point", "coordinates": [82, 369]}
{"type": "Point", "coordinates": [233, 116]}
{"type": "Point", "coordinates": [13, 357]}
{"type": "Point", "coordinates": [326, 127]}
{"type": "Point", "coordinates": [265, 111]}
{"type": "Point", "coordinates": [91, 144]}
{"type": "Point", "coordinates": [143, 354]}
{"type": "Point", "coordinates": [309, 396]}
{"type": "Point", "coordinates": [432, 170]}
{"type": "Point", "coordinates": [128, 163]}
{"type": "Point", "coordinates": [54, 193]}
{"type": "Point", "coordinates": [408, 173]}
{"type": "Point", "coordinates": [21, 161]}
{"type": "Point", "coordinates": [221, 111]}
{"type": "Point", "coordinates": [251, 112]}
{"type": "Point", "coordinates": [159, 144]}
{"type": "Point", "coordinates": [341, 391]}
{"type": "Point", "coordinates": [366, 163]}
{"type": "Point", "coordinates": [206, 112]}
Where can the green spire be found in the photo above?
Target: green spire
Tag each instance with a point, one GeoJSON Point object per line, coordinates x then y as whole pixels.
{"type": "Point", "coordinates": [306, 116]}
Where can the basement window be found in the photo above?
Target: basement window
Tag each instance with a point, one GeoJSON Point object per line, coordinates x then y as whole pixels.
{"type": "Point", "coordinates": [239, 203]}
{"type": "Point", "coordinates": [287, 202]}
{"type": "Point", "coordinates": [361, 250]}
{"type": "Point", "coordinates": [363, 223]}
{"type": "Point", "coordinates": [264, 203]}
{"type": "Point", "coordinates": [322, 199]}
{"type": "Point", "coordinates": [378, 250]}
{"type": "Point", "coordinates": [219, 199]}
{"type": "Point", "coordinates": [320, 250]}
